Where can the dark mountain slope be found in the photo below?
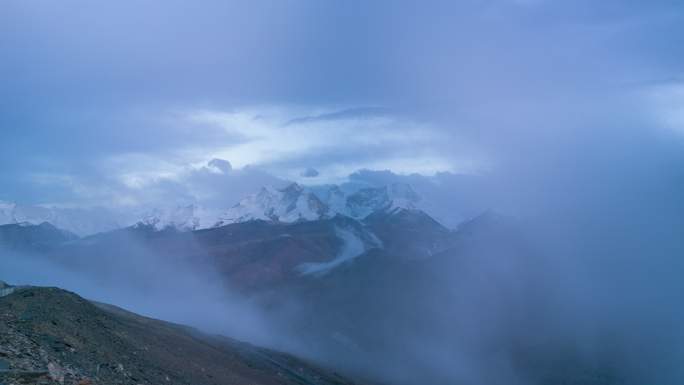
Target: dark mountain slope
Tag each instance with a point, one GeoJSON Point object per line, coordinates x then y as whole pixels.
{"type": "Point", "coordinates": [257, 254]}
{"type": "Point", "coordinates": [28, 237]}
{"type": "Point", "coordinates": [409, 233]}
{"type": "Point", "coordinates": [250, 256]}
{"type": "Point", "coordinates": [486, 297]}
{"type": "Point", "coordinates": [51, 336]}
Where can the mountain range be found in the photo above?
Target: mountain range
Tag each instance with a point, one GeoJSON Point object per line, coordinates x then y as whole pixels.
{"type": "Point", "coordinates": [297, 203]}
{"type": "Point", "coordinates": [364, 280]}
{"type": "Point", "coordinates": [283, 240]}
{"type": "Point", "coordinates": [287, 204]}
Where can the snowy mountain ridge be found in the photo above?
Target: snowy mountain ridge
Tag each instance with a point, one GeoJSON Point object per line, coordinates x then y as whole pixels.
{"type": "Point", "coordinates": [298, 203]}
{"type": "Point", "coordinates": [181, 218]}
{"type": "Point", "coordinates": [288, 204]}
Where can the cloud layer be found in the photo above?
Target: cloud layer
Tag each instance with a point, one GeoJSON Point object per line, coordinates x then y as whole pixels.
{"type": "Point", "coordinates": [97, 99]}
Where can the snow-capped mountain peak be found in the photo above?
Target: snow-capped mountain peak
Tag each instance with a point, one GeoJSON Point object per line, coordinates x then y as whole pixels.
{"type": "Point", "coordinates": [296, 203]}
{"type": "Point", "coordinates": [290, 204]}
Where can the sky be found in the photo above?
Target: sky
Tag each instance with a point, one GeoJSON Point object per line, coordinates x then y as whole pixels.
{"type": "Point", "coordinates": [127, 102]}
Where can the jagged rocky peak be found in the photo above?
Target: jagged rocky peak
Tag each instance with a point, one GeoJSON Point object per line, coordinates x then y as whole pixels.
{"type": "Point", "coordinates": [297, 203]}
{"type": "Point", "coordinates": [369, 200]}
{"type": "Point", "coordinates": [365, 201]}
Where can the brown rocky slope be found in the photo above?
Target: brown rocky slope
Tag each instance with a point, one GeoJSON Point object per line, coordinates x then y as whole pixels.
{"type": "Point", "coordinates": [51, 336]}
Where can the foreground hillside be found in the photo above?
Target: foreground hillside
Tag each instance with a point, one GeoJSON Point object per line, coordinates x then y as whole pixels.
{"type": "Point", "coordinates": [51, 336]}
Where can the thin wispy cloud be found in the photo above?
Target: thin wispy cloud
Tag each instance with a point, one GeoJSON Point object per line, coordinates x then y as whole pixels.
{"type": "Point", "coordinates": [284, 141]}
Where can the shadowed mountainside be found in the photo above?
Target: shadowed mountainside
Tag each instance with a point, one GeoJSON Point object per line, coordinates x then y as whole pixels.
{"type": "Point", "coordinates": [51, 336]}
